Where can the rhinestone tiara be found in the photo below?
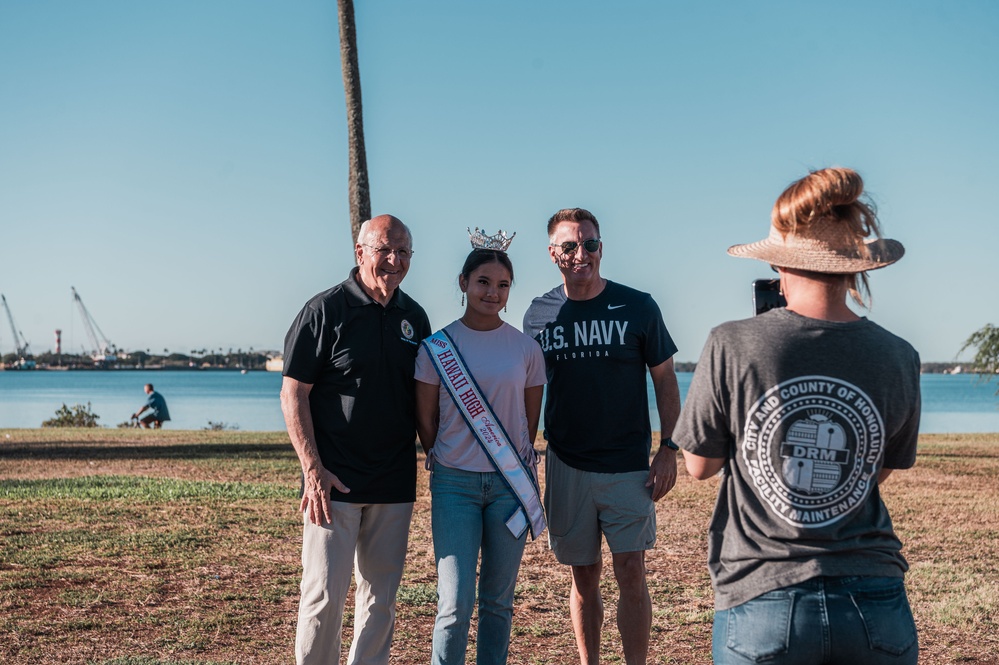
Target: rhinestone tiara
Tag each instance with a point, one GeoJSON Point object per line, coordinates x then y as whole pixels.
{"type": "Point", "coordinates": [480, 240]}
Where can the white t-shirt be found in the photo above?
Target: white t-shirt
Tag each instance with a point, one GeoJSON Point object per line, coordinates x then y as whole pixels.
{"type": "Point", "coordinates": [504, 363]}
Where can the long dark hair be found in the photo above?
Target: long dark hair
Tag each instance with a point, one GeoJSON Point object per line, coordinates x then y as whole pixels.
{"type": "Point", "coordinates": [478, 257]}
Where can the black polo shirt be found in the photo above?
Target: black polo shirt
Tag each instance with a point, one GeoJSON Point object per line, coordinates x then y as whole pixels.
{"type": "Point", "coordinates": [359, 358]}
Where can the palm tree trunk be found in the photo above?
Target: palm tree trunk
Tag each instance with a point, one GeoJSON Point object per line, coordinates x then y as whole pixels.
{"type": "Point", "coordinates": [357, 184]}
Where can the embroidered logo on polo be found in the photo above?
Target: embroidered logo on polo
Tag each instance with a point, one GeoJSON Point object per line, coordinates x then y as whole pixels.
{"type": "Point", "coordinates": [407, 329]}
{"type": "Point", "coordinates": [811, 445]}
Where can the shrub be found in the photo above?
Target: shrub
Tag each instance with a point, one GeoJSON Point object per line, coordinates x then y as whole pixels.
{"type": "Point", "coordinates": [78, 416]}
{"type": "Point", "coordinates": [219, 426]}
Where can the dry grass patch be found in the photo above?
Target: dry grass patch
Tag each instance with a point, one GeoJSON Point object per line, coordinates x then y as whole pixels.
{"type": "Point", "coordinates": [122, 547]}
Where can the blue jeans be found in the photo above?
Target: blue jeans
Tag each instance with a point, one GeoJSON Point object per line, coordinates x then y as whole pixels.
{"type": "Point", "coordinates": [825, 620]}
{"type": "Point", "coordinates": [468, 513]}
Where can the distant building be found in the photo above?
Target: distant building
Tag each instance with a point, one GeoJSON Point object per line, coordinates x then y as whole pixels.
{"type": "Point", "coordinates": [275, 364]}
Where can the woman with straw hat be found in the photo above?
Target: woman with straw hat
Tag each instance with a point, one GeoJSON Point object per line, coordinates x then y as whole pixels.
{"type": "Point", "coordinates": [806, 410]}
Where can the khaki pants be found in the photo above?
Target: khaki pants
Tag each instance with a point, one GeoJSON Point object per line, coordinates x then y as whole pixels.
{"type": "Point", "coordinates": [372, 536]}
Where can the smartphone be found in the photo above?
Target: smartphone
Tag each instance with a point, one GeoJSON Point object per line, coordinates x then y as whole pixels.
{"type": "Point", "coordinates": [766, 295]}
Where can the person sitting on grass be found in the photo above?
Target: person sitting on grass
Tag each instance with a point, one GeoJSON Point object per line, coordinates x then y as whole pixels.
{"type": "Point", "coordinates": [155, 408]}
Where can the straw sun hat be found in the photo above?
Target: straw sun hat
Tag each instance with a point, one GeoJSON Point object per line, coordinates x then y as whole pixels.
{"type": "Point", "coordinates": [823, 246]}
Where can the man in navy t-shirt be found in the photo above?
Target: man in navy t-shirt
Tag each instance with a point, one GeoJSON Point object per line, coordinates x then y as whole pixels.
{"type": "Point", "coordinates": [599, 339]}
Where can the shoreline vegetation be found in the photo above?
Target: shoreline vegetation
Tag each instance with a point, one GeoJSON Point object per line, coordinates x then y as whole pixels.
{"type": "Point", "coordinates": [203, 359]}
{"type": "Point", "coordinates": [172, 547]}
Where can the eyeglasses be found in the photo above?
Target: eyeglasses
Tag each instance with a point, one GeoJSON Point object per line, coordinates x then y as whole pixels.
{"type": "Point", "coordinates": [384, 252]}
{"type": "Point", "coordinates": [591, 246]}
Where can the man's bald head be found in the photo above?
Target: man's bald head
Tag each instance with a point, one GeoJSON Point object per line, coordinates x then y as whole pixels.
{"type": "Point", "coordinates": [379, 225]}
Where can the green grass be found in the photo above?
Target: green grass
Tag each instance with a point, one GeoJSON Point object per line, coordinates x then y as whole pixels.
{"type": "Point", "coordinates": [110, 488]}
{"type": "Point", "coordinates": [417, 594]}
{"type": "Point", "coordinates": [162, 436]}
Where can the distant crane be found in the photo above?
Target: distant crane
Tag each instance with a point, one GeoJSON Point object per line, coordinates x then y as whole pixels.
{"type": "Point", "coordinates": [21, 347]}
{"type": "Point", "coordinates": [104, 351]}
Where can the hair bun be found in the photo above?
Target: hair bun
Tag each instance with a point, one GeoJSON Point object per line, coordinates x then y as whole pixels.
{"type": "Point", "coordinates": [828, 193]}
{"type": "Point", "coordinates": [839, 187]}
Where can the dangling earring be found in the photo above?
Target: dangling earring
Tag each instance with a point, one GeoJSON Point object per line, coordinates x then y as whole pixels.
{"type": "Point", "coordinates": [504, 308]}
{"type": "Point", "coordinates": [462, 298]}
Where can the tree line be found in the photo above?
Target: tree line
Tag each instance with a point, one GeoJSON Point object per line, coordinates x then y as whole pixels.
{"type": "Point", "coordinates": [196, 359]}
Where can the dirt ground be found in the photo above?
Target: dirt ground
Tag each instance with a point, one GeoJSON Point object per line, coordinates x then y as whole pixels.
{"type": "Point", "coordinates": [202, 581]}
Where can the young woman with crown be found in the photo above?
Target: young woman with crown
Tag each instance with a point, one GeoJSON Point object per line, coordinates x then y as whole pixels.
{"type": "Point", "coordinates": [478, 400]}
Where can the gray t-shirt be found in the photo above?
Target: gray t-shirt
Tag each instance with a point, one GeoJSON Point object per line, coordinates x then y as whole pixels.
{"type": "Point", "coordinates": [807, 412]}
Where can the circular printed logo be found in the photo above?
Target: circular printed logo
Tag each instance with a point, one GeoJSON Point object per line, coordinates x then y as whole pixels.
{"type": "Point", "coordinates": [812, 445]}
{"type": "Point", "coordinates": [407, 329]}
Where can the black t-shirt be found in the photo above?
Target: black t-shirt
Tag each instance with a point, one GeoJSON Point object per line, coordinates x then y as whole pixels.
{"type": "Point", "coordinates": [359, 358]}
{"type": "Point", "coordinates": [597, 353]}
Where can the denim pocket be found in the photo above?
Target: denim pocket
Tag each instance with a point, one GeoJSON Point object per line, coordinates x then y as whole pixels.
{"type": "Point", "coordinates": [760, 628]}
{"type": "Point", "coordinates": [887, 617]}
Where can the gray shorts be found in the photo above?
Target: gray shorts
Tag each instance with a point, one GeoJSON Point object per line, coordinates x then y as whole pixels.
{"type": "Point", "coordinates": [580, 505]}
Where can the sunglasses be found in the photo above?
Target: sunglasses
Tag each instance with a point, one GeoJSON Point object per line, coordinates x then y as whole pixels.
{"type": "Point", "coordinates": [591, 246]}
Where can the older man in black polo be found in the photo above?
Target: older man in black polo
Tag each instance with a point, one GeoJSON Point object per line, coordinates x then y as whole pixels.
{"type": "Point", "coordinates": [348, 402]}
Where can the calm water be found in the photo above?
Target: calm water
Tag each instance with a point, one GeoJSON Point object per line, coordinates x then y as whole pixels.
{"type": "Point", "coordinates": [951, 403]}
{"type": "Point", "coordinates": [194, 397]}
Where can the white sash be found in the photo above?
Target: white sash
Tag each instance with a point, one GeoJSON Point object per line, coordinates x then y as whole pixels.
{"type": "Point", "coordinates": [489, 432]}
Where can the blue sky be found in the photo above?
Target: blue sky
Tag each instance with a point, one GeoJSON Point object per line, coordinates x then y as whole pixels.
{"type": "Point", "coordinates": [183, 164]}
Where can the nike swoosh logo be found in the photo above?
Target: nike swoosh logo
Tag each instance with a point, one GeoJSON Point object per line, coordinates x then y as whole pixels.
{"type": "Point", "coordinates": [615, 306]}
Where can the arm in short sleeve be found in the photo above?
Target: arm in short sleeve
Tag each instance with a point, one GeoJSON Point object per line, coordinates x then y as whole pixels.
{"type": "Point", "coordinates": [536, 373]}
{"type": "Point", "coordinates": [658, 344]}
{"type": "Point", "coordinates": [703, 428]}
{"type": "Point", "coordinates": [425, 372]}
{"type": "Point", "coordinates": [900, 453]}
{"type": "Point", "coordinates": [304, 345]}
{"type": "Point", "coordinates": [423, 329]}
